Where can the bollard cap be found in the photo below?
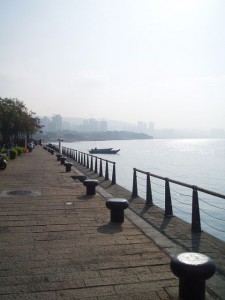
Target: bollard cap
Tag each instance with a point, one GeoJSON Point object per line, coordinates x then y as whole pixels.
{"type": "Point", "coordinates": [192, 265]}
{"type": "Point", "coordinates": [116, 203]}
{"type": "Point", "coordinates": [90, 182]}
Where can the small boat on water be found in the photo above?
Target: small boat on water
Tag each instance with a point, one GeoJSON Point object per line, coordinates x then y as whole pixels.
{"type": "Point", "coordinates": [103, 151]}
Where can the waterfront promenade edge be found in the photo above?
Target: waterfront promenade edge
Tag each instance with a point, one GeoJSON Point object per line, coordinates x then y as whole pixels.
{"type": "Point", "coordinates": [57, 243]}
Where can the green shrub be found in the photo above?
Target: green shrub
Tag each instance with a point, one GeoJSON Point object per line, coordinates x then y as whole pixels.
{"type": "Point", "coordinates": [19, 150]}
{"type": "Point", "coordinates": [4, 151]}
{"type": "Point", "coordinates": [13, 153]}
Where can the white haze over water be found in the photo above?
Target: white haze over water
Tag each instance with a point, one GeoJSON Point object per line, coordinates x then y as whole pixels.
{"type": "Point", "coordinates": [160, 61]}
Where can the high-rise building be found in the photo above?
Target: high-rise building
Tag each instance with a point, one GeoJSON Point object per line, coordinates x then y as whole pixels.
{"type": "Point", "coordinates": [151, 128]}
{"type": "Point", "coordinates": [93, 124]}
{"type": "Point", "coordinates": [103, 126]}
{"type": "Point", "coordinates": [45, 122]}
{"type": "Point", "coordinates": [57, 123]}
{"type": "Point", "coordinates": [141, 127]}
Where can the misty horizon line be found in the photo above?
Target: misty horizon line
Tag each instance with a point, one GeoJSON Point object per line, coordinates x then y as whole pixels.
{"type": "Point", "coordinates": [134, 125]}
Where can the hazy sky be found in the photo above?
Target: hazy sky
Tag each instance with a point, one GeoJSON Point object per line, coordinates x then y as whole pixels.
{"type": "Point", "coordinates": [133, 60]}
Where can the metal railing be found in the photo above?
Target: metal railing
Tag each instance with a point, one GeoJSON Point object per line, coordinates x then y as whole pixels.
{"type": "Point", "coordinates": [195, 209]}
{"type": "Point", "coordinates": [103, 167]}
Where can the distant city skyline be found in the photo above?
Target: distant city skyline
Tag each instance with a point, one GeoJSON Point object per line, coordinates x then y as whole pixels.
{"type": "Point", "coordinates": [57, 123]}
{"type": "Point", "coordinates": [122, 60]}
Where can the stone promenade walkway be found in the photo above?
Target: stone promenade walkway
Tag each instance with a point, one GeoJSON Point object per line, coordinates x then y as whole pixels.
{"type": "Point", "coordinates": [57, 243]}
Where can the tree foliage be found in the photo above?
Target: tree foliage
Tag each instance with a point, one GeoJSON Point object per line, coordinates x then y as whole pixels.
{"type": "Point", "coordinates": [16, 120]}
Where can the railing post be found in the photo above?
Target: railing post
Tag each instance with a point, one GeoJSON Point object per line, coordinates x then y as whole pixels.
{"type": "Point", "coordinates": [60, 145]}
{"type": "Point", "coordinates": [91, 163]}
{"type": "Point", "coordinates": [149, 191]}
{"type": "Point", "coordinates": [168, 202]}
{"type": "Point", "coordinates": [88, 161]}
{"type": "Point", "coordinates": [84, 155]}
{"type": "Point", "coordinates": [135, 190]}
{"type": "Point", "coordinates": [114, 173]}
{"type": "Point", "coordinates": [78, 160]}
{"type": "Point", "coordinates": [106, 171]}
{"type": "Point", "coordinates": [75, 155]}
{"type": "Point", "coordinates": [96, 164]}
{"type": "Point", "coordinates": [196, 222]}
{"type": "Point", "coordinates": [100, 169]}
{"type": "Point", "coordinates": [81, 160]}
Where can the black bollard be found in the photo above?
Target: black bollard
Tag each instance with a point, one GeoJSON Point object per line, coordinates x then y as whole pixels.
{"type": "Point", "coordinates": [90, 186]}
{"type": "Point", "coordinates": [58, 156]}
{"type": "Point", "coordinates": [62, 159]}
{"type": "Point", "coordinates": [117, 206]}
{"type": "Point", "coordinates": [68, 166]}
{"type": "Point", "coordinates": [192, 269]}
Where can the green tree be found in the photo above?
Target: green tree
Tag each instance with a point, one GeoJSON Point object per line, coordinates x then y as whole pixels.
{"type": "Point", "coordinates": [16, 120]}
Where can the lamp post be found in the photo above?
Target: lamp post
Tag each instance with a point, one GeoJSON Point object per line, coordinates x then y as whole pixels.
{"type": "Point", "coordinates": [60, 145]}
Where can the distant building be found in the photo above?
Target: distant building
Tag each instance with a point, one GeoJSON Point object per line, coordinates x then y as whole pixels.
{"type": "Point", "coordinates": [45, 121]}
{"type": "Point", "coordinates": [141, 127]}
{"type": "Point", "coordinates": [66, 125]}
{"type": "Point", "coordinates": [56, 123]}
{"type": "Point", "coordinates": [93, 124]}
{"type": "Point", "coordinates": [151, 128]}
{"type": "Point", "coordinates": [103, 125]}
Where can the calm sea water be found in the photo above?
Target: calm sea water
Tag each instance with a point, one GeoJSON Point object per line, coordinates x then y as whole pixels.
{"type": "Point", "coordinates": [198, 162]}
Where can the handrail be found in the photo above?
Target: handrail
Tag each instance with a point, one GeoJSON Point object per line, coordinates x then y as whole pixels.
{"type": "Point", "coordinates": [183, 184]}
{"type": "Point", "coordinates": [196, 220]}
{"type": "Point", "coordinates": [86, 160]}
